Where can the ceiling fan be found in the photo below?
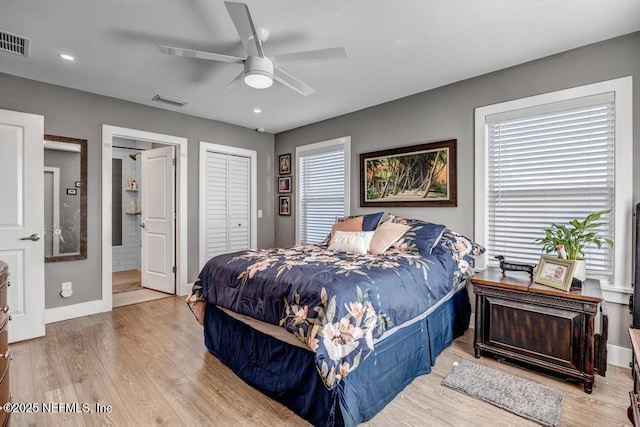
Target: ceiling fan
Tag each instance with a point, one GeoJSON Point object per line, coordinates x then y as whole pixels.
{"type": "Point", "coordinates": [259, 70]}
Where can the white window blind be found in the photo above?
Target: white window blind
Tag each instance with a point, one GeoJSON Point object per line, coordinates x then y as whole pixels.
{"type": "Point", "coordinates": [322, 192]}
{"type": "Point", "coordinates": [550, 164]}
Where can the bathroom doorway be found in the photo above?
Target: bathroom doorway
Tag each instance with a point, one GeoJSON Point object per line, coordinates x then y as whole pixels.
{"type": "Point", "coordinates": [143, 240]}
{"type": "Point", "coordinates": [109, 134]}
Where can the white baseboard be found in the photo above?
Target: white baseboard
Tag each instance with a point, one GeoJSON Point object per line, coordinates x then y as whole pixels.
{"type": "Point", "coordinates": [617, 356]}
{"type": "Point", "coordinates": [67, 312]}
{"type": "Point", "coordinates": [58, 314]}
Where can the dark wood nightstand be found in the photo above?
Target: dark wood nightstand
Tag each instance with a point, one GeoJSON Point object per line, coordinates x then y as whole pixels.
{"type": "Point", "coordinates": [540, 325]}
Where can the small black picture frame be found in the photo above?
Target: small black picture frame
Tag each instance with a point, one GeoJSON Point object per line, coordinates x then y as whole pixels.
{"type": "Point", "coordinates": [284, 164]}
{"type": "Point", "coordinates": [78, 184]}
{"type": "Point", "coordinates": [284, 205]}
{"type": "Point", "coordinates": [284, 184]}
{"type": "Point", "coordinates": [72, 191]}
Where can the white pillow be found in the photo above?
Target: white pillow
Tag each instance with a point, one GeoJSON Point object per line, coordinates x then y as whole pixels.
{"type": "Point", "coordinates": [356, 242]}
{"type": "Point", "coordinates": [386, 235]}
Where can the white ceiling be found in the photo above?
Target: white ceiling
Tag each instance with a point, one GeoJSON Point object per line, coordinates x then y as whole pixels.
{"type": "Point", "coordinates": [394, 48]}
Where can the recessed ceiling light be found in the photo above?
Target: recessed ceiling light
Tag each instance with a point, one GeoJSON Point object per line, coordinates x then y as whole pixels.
{"type": "Point", "coordinates": [257, 110]}
{"type": "Point", "coordinates": [66, 57]}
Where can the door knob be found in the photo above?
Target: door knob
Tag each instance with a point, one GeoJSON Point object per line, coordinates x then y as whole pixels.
{"type": "Point", "coordinates": [33, 237]}
{"type": "Point", "coordinates": [142, 225]}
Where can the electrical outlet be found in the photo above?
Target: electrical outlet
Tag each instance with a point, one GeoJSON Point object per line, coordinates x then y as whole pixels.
{"type": "Point", "coordinates": [259, 213]}
{"type": "Point", "coordinates": [67, 290]}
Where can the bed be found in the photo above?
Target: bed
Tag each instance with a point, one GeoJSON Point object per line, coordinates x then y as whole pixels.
{"type": "Point", "coordinates": [333, 335]}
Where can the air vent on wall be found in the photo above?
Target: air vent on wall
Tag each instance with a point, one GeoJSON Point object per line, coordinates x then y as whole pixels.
{"type": "Point", "coordinates": [171, 101]}
{"type": "Point", "coordinates": [15, 44]}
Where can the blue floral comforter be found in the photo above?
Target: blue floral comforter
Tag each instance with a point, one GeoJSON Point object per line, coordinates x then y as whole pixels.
{"type": "Point", "coordinates": [335, 303]}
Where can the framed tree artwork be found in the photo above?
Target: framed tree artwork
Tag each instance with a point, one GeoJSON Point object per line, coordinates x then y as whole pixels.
{"type": "Point", "coordinates": [417, 175]}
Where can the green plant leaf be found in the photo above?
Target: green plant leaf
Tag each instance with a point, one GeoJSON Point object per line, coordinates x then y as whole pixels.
{"type": "Point", "coordinates": [575, 237]}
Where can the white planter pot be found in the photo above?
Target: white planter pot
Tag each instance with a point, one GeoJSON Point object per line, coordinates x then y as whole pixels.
{"type": "Point", "coordinates": [580, 272]}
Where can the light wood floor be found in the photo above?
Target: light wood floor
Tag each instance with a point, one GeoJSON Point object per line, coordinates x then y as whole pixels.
{"type": "Point", "coordinates": [126, 280]}
{"type": "Point", "coordinates": [148, 361]}
{"type": "Point", "coordinates": [137, 296]}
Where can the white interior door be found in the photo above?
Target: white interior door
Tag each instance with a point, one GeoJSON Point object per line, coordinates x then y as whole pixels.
{"type": "Point", "coordinates": [227, 203]}
{"type": "Point", "coordinates": [157, 188]}
{"type": "Point", "coordinates": [22, 220]}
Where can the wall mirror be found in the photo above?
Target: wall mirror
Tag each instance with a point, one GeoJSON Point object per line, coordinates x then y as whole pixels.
{"type": "Point", "coordinates": [65, 198]}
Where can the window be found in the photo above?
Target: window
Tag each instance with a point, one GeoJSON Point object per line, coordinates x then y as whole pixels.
{"type": "Point", "coordinates": [323, 188]}
{"type": "Point", "coordinates": [551, 158]}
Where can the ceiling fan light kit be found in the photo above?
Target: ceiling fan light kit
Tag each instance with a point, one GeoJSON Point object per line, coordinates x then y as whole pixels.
{"type": "Point", "coordinates": [259, 71]}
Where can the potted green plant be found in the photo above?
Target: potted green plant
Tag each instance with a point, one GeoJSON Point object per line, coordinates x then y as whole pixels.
{"type": "Point", "coordinates": [570, 241]}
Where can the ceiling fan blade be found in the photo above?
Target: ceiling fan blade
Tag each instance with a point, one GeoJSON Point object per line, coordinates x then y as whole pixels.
{"type": "Point", "coordinates": [291, 82]}
{"type": "Point", "coordinates": [311, 55]}
{"type": "Point", "coordinates": [235, 82]}
{"type": "Point", "coordinates": [189, 53]}
{"type": "Point", "coordinates": [241, 18]}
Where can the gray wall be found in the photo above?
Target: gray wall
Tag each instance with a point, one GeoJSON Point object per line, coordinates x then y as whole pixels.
{"type": "Point", "coordinates": [77, 114]}
{"type": "Point", "coordinates": [448, 112]}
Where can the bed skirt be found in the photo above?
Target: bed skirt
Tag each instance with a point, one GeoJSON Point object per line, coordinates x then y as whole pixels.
{"type": "Point", "coordinates": [287, 373]}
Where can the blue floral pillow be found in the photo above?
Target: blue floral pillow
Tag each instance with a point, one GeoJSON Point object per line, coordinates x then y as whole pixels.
{"type": "Point", "coordinates": [422, 237]}
{"type": "Point", "coordinates": [462, 250]}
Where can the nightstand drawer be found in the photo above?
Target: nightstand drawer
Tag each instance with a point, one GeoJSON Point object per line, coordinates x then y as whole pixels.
{"type": "Point", "coordinates": [533, 331]}
{"type": "Point", "coordinates": [4, 335]}
{"type": "Point", "coordinates": [3, 294]}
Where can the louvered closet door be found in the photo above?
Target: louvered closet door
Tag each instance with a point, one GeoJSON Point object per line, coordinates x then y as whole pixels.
{"type": "Point", "coordinates": [238, 179]}
{"type": "Point", "coordinates": [216, 210]}
{"type": "Point", "coordinates": [227, 204]}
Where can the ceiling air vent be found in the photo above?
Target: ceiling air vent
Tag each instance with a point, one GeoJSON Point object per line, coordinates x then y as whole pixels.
{"type": "Point", "coordinates": [171, 101]}
{"type": "Point", "coordinates": [15, 44]}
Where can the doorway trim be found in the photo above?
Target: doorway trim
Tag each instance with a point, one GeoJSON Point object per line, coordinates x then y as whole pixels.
{"type": "Point", "coordinates": [253, 197]}
{"type": "Point", "coordinates": [108, 133]}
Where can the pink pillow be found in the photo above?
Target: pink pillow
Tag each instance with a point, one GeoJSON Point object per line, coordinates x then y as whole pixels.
{"type": "Point", "coordinates": [351, 224]}
{"type": "Point", "coordinates": [386, 235]}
